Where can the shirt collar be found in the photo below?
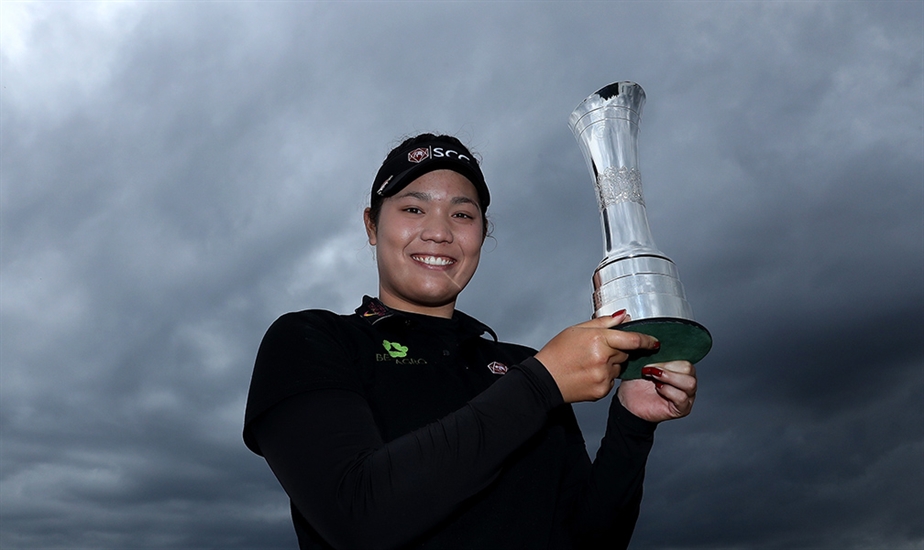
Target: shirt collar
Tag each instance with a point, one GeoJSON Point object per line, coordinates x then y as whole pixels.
{"type": "Point", "coordinates": [373, 311]}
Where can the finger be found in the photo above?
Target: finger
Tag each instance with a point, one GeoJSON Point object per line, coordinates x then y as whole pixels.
{"type": "Point", "coordinates": [678, 389]}
{"type": "Point", "coordinates": [662, 375]}
{"type": "Point", "coordinates": [607, 321]}
{"type": "Point", "coordinates": [624, 340]}
{"type": "Point", "coordinates": [680, 401]}
{"type": "Point", "coordinates": [616, 363]}
{"type": "Point", "coordinates": [681, 367]}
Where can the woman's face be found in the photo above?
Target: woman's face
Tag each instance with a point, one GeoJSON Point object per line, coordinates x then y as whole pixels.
{"type": "Point", "coordinates": [428, 242]}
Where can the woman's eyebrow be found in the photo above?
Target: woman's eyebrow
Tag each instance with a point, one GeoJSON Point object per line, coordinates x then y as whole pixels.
{"type": "Point", "coordinates": [420, 195]}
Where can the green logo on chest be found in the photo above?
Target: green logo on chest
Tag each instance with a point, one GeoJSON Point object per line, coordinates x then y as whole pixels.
{"type": "Point", "coordinates": [395, 349]}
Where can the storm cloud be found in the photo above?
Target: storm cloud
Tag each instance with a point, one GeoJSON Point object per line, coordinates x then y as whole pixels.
{"type": "Point", "coordinates": [176, 175]}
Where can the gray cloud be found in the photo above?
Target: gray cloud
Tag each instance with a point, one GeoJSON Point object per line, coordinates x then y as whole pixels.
{"type": "Point", "coordinates": [173, 176]}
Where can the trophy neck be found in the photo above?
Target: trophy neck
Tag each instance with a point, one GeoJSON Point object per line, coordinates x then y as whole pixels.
{"type": "Point", "coordinates": [606, 126]}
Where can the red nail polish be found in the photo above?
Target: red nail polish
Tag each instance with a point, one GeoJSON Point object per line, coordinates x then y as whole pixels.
{"type": "Point", "coordinates": [652, 371]}
{"type": "Point", "coordinates": [618, 313]}
{"type": "Point", "coordinates": [659, 385]}
{"type": "Point", "coordinates": [657, 345]}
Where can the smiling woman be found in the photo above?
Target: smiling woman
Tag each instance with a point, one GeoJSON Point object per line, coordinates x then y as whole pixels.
{"type": "Point", "coordinates": [428, 242]}
{"type": "Point", "coordinates": [408, 424]}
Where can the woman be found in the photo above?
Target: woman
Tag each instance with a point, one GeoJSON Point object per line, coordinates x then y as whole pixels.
{"type": "Point", "coordinates": [408, 425]}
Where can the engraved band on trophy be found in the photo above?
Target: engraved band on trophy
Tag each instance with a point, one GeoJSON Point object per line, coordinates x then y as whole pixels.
{"type": "Point", "coordinates": [634, 275]}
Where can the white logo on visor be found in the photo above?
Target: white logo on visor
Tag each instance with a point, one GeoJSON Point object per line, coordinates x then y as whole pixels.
{"type": "Point", "coordinates": [449, 153]}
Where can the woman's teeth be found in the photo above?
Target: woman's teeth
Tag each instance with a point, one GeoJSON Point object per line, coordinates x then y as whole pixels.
{"type": "Point", "coordinates": [433, 260]}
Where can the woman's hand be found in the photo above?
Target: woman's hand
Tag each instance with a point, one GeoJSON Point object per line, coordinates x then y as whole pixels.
{"type": "Point", "coordinates": [585, 359]}
{"type": "Point", "coordinates": [667, 392]}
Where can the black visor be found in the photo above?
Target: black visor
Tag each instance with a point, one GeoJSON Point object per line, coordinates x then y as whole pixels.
{"type": "Point", "coordinates": [420, 158]}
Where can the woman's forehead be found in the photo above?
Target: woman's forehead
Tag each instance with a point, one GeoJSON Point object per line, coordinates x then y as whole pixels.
{"type": "Point", "coordinates": [441, 185]}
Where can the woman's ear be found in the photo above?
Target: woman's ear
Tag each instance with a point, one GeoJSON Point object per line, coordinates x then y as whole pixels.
{"type": "Point", "coordinates": [370, 226]}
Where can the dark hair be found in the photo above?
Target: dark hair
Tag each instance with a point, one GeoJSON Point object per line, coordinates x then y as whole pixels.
{"type": "Point", "coordinates": [375, 205]}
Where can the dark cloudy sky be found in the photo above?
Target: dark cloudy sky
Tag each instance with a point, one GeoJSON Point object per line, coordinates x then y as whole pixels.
{"type": "Point", "coordinates": [176, 175]}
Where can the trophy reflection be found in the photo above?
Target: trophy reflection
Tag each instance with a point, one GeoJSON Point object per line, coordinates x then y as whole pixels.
{"type": "Point", "coordinates": [634, 275]}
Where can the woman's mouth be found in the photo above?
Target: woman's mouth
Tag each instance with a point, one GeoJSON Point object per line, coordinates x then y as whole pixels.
{"type": "Point", "coordinates": [436, 261]}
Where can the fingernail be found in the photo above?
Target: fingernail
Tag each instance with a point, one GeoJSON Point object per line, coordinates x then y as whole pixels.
{"type": "Point", "coordinates": [618, 313]}
{"type": "Point", "coordinates": [659, 385]}
{"type": "Point", "coordinates": [652, 371]}
{"type": "Point", "coordinates": [657, 345]}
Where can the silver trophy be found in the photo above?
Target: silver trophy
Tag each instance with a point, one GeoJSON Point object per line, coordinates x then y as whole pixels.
{"type": "Point", "coordinates": [634, 275]}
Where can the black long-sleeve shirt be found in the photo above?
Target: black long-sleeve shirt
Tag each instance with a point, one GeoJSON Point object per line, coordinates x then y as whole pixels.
{"type": "Point", "coordinates": [396, 430]}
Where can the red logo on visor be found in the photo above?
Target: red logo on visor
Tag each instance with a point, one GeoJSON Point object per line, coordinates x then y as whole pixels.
{"type": "Point", "coordinates": [418, 155]}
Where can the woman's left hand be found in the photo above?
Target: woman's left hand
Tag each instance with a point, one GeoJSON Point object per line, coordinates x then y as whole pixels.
{"type": "Point", "coordinates": [667, 391]}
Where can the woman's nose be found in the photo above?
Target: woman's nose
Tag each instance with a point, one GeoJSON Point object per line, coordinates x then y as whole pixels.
{"type": "Point", "coordinates": [436, 229]}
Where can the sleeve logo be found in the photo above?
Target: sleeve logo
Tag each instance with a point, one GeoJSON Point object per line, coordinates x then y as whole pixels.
{"type": "Point", "coordinates": [497, 367]}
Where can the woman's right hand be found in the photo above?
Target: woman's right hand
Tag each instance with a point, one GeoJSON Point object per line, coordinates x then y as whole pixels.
{"type": "Point", "coordinates": [586, 359]}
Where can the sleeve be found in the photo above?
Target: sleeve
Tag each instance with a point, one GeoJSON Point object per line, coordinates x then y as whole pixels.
{"type": "Point", "coordinates": [357, 491]}
{"type": "Point", "coordinates": [604, 497]}
{"type": "Point", "coordinates": [300, 352]}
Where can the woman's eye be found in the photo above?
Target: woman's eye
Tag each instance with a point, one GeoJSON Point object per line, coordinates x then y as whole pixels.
{"type": "Point", "coordinates": [412, 210]}
{"type": "Point", "coordinates": [464, 216]}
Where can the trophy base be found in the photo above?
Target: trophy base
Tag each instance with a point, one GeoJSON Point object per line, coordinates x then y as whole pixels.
{"type": "Point", "coordinates": [681, 340]}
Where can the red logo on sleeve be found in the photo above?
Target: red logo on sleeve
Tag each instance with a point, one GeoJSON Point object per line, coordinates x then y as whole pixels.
{"type": "Point", "coordinates": [497, 367]}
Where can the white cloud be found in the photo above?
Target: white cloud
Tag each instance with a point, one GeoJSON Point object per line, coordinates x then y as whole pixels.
{"type": "Point", "coordinates": [53, 50]}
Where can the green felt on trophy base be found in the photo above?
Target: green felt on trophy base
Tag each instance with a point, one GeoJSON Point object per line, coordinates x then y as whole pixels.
{"type": "Point", "coordinates": [681, 340]}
